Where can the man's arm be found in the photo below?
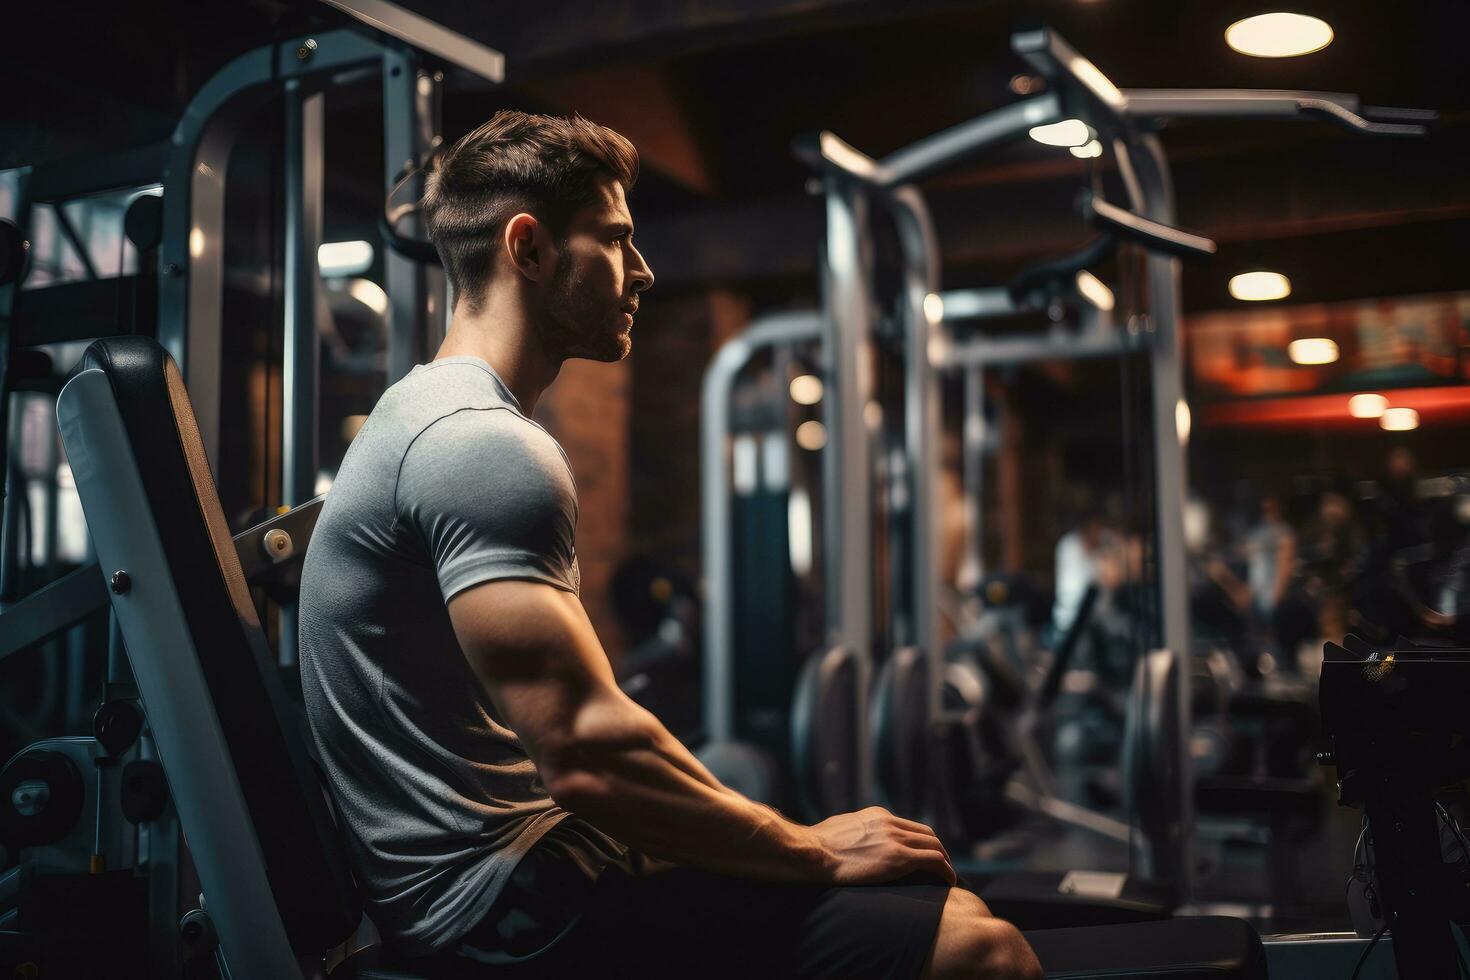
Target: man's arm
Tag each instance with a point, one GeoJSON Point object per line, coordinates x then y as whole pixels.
{"type": "Point", "coordinates": [610, 761]}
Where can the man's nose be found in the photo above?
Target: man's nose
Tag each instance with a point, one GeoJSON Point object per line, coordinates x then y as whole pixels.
{"type": "Point", "coordinates": [642, 275]}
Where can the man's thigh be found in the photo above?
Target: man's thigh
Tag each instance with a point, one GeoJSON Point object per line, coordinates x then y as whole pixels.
{"type": "Point", "coordinates": [685, 922]}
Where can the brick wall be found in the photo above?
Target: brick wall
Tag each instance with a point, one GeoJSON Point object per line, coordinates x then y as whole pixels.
{"type": "Point", "coordinates": [587, 411]}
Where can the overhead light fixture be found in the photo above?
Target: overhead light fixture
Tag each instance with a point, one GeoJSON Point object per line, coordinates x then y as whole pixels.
{"type": "Point", "coordinates": [1258, 286]}
{"type": "Point", "coordinates": [1279, 35]}
{"type": "Point", "coordinates": [1398, 420]}
{"type": "Point", "coordinates": [369, 294]}
{"type": "Point", "coordinates": [806, 389]}
{"type": "Point", "coordinates": [1094, 290]}
{"type": "Point", "coordinates": [335, 259]}
{"type": "Point", "coordinates": [1068, 132]}
{"type": "Point", "coordinates": [1312, 350]}
{"type": "Point", "coordinates": [811, 435]}
{"type": "Point", "coordinates": [934, 309]}
{"type": "Point", "coordinates": [1367, 406]}
{"type": "Point", "coordinates": [1088, 150]}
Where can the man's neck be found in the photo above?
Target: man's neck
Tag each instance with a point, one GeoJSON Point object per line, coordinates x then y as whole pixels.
{"type": "Point", "coordinates": [501, 334]}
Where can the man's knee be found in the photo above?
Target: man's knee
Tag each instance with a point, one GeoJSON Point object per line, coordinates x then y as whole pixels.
{"type": "Point", "coordinates": [973, 944]}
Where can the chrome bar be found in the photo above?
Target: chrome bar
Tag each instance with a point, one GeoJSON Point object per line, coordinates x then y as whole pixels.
{"type": "Point", "coordinates": [959, 143]}
{"type": "Point", "coordinates": [716, 521]}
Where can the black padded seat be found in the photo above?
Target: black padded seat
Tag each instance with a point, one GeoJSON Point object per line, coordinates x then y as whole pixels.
{"type": "Point", "coordinates": [1203, 948]}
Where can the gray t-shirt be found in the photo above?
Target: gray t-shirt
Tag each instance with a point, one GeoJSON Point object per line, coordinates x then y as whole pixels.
{"type": "Point", "coordinates": [446, 486]}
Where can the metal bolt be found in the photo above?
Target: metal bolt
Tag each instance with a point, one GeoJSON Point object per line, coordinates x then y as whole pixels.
{"type": "Point", "coordinates": [171, 269]}
{"type": "Point", "coordinates": [31, 797]}
{"type": "Point", "coordinates": [122, 582]}
{"type": "Point", "coordinates": [278, 545]}
{"type": "Point", "coordinates": [307, 49]}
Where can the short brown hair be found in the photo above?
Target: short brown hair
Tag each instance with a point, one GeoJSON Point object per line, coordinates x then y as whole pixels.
{"type": "Point", "coordinates": [547, 166]}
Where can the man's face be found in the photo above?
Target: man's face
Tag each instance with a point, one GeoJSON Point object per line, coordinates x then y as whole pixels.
{"type": "Point", "coordinates": [587, 304]}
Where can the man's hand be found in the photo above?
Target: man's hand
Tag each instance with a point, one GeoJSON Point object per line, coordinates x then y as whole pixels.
{"type": "Point", "coordinates": [872, 845]}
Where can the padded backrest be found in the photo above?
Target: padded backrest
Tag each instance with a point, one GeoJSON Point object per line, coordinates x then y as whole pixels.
{"type": "Point", "coordinates": [263, 727]}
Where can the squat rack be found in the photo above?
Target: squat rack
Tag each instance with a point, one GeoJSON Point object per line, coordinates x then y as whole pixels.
{"type": "Point", "coordinates": [854, 183]}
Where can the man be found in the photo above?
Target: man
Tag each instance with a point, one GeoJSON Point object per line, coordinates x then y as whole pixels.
{"type": "Point", "coordinates": [503, 800]}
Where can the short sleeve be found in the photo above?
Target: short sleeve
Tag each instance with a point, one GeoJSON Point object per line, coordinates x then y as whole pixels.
{"type": "Point", "coordinates": [491, 497]}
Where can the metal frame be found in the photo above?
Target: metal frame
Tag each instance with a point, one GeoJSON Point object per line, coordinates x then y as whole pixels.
{"type": "Point", "coordinates": [854, 181]}
{"type": "Point", "coordinates": [191, 263]}
{"type": "Point", "coordinates": [82, 592]}
{"type": "Point", "coordinates": [426, 35]}
{"type": "Point", "coordinates": [716, 539]}
{"type": "Point", "coordinates": [419, 307]}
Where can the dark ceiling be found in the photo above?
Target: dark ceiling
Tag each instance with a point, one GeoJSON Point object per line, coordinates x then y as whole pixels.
{"type": "Point", "coordinates": [713, 91]}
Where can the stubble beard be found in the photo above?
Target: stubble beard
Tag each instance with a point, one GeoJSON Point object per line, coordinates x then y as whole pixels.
{"type": "Point", "coordinates": [574, 324]}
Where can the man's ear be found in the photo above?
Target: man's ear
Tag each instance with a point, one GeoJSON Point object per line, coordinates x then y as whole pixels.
{"type": "Point", "coordinates": [521, 245]}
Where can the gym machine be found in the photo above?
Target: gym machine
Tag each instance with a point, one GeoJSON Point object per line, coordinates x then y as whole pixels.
{"type": "Point", "coordinates": [278, 900]}
{"type": "Point", "coordinates": [836, 701]}
{"type": "Point", "coordinates": [1396, 720]}
{"type": "Point", "coordinates": [91, 845]}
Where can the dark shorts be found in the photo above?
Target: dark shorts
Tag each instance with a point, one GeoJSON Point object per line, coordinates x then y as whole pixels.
{"type": "Point", "coordinates": [686, 923]}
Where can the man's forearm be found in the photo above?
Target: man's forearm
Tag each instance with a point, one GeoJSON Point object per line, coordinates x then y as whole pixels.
{"type": "Point", "coordinates": [659, 799]}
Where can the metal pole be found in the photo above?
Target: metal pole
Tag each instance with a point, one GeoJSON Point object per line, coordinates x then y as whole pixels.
{"type": "Point", "coordinates": [972, 462]}
{"type": "Point", "coordinates": [416, 296]}
{"type": "Point", "coordinates": [716, 544]}
{"type": "Point", "coordinates": [921, 425]}
{"type": "Point", "coordinates": [12, 485]}
{"type": "Point", "coordinates": [955, 145]}
{"type": "Point", "coordinates": [847, 559]}
{"type": "Point", "coordinates": [300, 359]}
{"type": "Point", "coordinates": [301, 349]}
{"type": "Point", "coordinates": [1170, 472]}
{"type": "Point", "coordinates": [191, 255]}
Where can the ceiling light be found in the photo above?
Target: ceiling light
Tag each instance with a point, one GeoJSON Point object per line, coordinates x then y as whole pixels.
{"type": "Point", "coordinates": [1399, 419]}
{"type": "Point", "coordinates": [1068, 132]}
{"type": "Point", "coordinates": [369, 294]}
{"type": "Point", "coordinates": [934, 309]}
{"type": "Point", "coordinates": [343, 258]}
{"type": "Point", "coordinates": [1092, 148]}
{"type": "Point", "coordinates": [1255, 286]}
{"type": "Point", "coordinates": [1367, 406]}
{"type": "Point", "coordinates": [1312, 350]}
{"type": "Point", "coordinates": [806, 389]}
{"type": "Point", "coordinates": [811, 435]}
{"type": "Point", "coordinates": [1278, 35]}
